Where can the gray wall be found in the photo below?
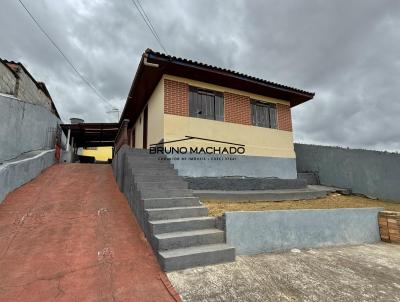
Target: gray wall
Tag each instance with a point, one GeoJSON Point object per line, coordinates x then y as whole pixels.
{"type": "Point", "coordinates": [16, 173]}
{"type": "Point", "coordinates": [23, 127]}
{"type": "Point", "coordinates": [124, 177]}
{"type": "Point", "coordinates": [249, 166]}
{"type": "Point", "coordinates": [371, 173]}
{"type": "Point", "coordinates": [268, 231]}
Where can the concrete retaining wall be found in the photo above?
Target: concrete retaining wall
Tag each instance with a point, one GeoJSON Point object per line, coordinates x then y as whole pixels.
{"type": "Point", "coordinates": [24, 127]}
{"type": "Point", "coordinates": [118, 166]}
{"type": "Point", "coordinates": [243, 183]}
{"type": "Point", "coordinates": [206, 165]}
{"type": "Point", "coordinates": [371, 173]}
{"type": "Point", "coordinates": [268, 231]}
{"type": "Point", "coordinates": [16, 173]}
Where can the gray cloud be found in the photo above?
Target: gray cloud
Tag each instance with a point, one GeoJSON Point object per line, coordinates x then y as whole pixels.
{"type": "Point", "coordinates": [345, 51]}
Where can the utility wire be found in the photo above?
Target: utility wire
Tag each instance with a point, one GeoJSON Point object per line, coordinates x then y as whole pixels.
{"type": "Point", "coordinates": [151, 25]}
{"type": "Point", "coordinates": [97, 92]}
{"type": "Point", "coordinates": [146, 19]}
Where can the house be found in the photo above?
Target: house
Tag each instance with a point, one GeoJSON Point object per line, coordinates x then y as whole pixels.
{"type": "Point", "coordinates": [212, 122]}
{"type": "Point", "coordinates": [225, 134]}
{"type": "Point", "coordinates": [18, 82]}
{"type": "Point", "coordinates": [100, 154]}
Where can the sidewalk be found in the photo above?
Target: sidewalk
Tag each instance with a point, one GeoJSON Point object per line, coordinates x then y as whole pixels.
{"type": "Point", "coordinates": [69, 235]}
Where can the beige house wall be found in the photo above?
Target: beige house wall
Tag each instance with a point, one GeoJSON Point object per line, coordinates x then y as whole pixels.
{"type": "Point", "coordinates": [155, 123]}
{"type": "Point", "coordinates": [258, 141]}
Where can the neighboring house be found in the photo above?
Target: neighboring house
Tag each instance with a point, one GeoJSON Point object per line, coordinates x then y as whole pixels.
{"type": "Point", "coordinates": [175, 102]}
{"type": "Point", "coordinates": [16, 80]}
{"type": "Point", "coordinates": [28, 117]}
{"type": "Point", "coordinates": [99, 153]}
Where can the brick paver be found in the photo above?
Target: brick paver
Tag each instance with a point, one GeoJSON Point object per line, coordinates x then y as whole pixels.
{"type": "Point", "coordinates": [69, 235]}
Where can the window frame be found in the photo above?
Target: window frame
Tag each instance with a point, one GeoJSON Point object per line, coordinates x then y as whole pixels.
{"type": "Point", "coordinates": [207, 99]}
{"type": "Point", "coordinates": [270, 120]}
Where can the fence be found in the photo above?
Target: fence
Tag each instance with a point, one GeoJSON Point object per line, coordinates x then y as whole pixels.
{"type": "Point", "coordinates": [372, 173]}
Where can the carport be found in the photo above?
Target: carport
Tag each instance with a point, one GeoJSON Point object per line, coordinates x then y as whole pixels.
{"type": "Point", "coordinates": [83, 135]}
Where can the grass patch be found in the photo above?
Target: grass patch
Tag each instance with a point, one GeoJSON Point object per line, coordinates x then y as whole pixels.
{"type": "Point", "coordinates": [332, 201]}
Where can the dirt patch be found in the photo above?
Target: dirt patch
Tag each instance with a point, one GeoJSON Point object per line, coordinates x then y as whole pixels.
{"type": "Point", "coordinates": [332, 201]}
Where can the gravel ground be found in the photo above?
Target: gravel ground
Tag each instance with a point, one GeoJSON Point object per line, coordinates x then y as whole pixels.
{"type": "Point", "coordinates": [335, 200]}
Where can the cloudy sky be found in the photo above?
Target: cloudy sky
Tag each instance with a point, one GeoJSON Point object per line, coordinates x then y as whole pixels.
{"type": "Point", "coordinates": [346, 51]}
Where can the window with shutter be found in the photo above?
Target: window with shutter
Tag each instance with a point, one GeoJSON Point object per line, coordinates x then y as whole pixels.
{"type": "Point", "coordinates": [263, 114]}
{"type": "Point", "coordinates": [206, 104]}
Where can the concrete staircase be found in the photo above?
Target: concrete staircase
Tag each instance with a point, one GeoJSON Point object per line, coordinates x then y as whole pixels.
{"type": "Point", "coordinates": [173, 219]}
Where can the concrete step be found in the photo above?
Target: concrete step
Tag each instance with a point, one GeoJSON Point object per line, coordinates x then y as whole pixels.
{"type": "Point", "coordinates": [195, 256]}
{"type": "Point", "coordinates": [260, 195]}
{"type": "Point", "coordinates": [244, 183]}
{"type": "Point", "coordinates": [176, 240]}
{"type": "Point", "coordinates": [143, 153]}
{"type": "Point", "coordinates": [177, 184]}
{"type": "Point", "coordinates": [147, 157]}
{"type": "Point", "coordinates": [176, 212]}
{"type": "Point", "coordinates": [181, 224]}
{"type": "Point", "coordinates": [148, 178]}
{"type": "Point", "coordinates": [150, 165]}
{"type": "Point", "coordinates": [311, 178]}
{"type": "Point", "coordinates": [171, 202]}
{"type": "Point", "coordinates": [154, 172]}
{"type": "Point", "coordinates": [162, 193]}
{"type": "Point", "coordinates": [174, 221]}
{"type": "Point", "coordinates": [143, 160]}
{"type": "Point", "coordinates": [327, 189]}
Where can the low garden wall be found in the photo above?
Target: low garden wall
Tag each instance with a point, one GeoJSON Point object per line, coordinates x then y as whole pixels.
{"type": "Point", "coordinates": [269, 231]}
{"type": "Point", "coordinates": [16, 173]}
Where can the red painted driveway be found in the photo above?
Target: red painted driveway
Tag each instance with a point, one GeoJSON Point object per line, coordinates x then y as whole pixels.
{"type": "Point", "coordinates": [69, 235]}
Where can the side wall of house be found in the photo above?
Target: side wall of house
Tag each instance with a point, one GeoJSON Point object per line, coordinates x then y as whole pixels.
{"type": "Point", "coordinates": [155, 125]}
{"type": "Point", "coordinates": [99, 153]}
{"type": "Point", "coordinates": [21, 85]}
{"type": "Point", "coordinates": [7, 80]}
{"type": "Point", "coordinates": [268, 152]}
{"type": "Point", "coordinates": [28, 91]}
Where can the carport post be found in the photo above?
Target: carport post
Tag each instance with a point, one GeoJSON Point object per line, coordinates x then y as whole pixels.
{"type": "Point", "coordinates": [68, 137]}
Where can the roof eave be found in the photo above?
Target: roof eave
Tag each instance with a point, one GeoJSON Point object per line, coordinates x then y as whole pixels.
{"type": "Point", "coordinates": [297, 97]}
